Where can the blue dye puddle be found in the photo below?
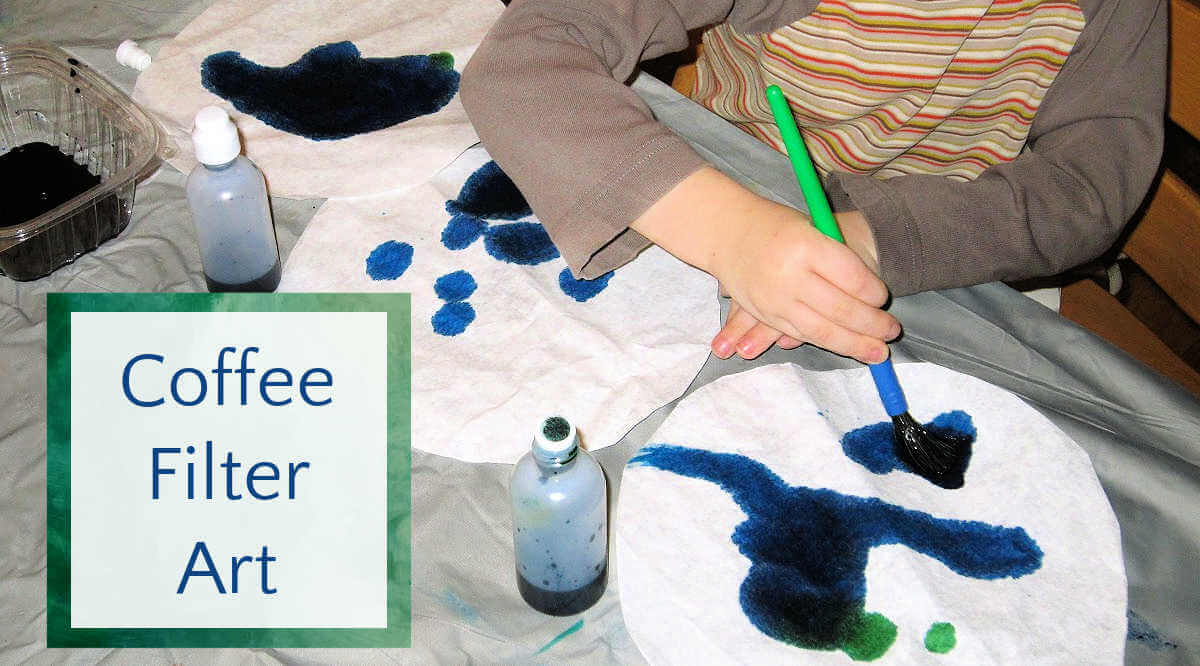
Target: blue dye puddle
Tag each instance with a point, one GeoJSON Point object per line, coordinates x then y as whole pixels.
{"type": "Point", "coordinates": [874, 447]}
{"type": "Point", "coordinates": [332, 92]}
{"type": "Point", "coordinates": [582, 290]}
{"type": "Point", "coordinates": [389, 260]}
{"type": "Point", "coordinates": [453, 318]}
{"type": "Point", "coordinates": [525, 243]}
{"type": "Point", "coordinates": [490, 193]}
{"type": "Point", "coordinates": [808, 549]}
{"type": "Point", "coordinates": [456, 286]}
{"type": "Point", "coordinates": [461, 231]}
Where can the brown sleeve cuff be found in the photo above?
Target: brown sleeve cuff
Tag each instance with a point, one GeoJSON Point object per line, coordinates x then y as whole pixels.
{"type": "Point", "coordinates": [594, 236]}
{"type": "Point", "coordinates": [897, 237]}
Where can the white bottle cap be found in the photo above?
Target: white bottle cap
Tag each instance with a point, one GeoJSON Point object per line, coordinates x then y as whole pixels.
{"type": "Point", "coordinates": [130, 54]}
{"type": "Point", "coordinates": [215, 137]}
{"type": "Point", "coordinates": [555, 440]}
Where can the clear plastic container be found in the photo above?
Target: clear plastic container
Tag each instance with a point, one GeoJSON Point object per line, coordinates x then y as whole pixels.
{"type": "Point", "coordinates": [50, 97]}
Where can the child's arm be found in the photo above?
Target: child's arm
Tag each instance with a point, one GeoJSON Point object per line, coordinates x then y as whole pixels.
{"type": "Point", "coordinates": [1092, 152]}
{"type": "Point", "coordinates": [545, 91]}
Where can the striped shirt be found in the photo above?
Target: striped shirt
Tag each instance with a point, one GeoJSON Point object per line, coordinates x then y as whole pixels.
{"type": "Point", "coordinates": [945, 87]}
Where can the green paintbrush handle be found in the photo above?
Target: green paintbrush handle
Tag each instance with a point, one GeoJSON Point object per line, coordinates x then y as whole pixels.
{"type": "Point", "coordinates": [886, 382]}
{"type": "Point", "coordinates": [810, 182]}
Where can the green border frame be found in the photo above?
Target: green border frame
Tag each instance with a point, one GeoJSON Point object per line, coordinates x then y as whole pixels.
{"type": "Point", "coordinates": [59, 632]}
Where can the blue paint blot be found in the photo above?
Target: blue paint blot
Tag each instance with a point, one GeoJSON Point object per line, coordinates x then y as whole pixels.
{"type": "Point", "coordinates": [389, 260]}
{"type": "Point", "coordinates": [456, 286]}
{"type": "Point", "coordinates": [332, 92]}
{"type": "Point", "coordinates": [808, 549]}
{"type": "Point", "coordinates": [461, 608]}
{"type": "Point", "coordinates": [461, 231]}
{"type": "Point", "coordinates": [524, 243]}
{"type": "Point", "coordinates": [582, 290]}
{"type": "Point", "coordinates": [873, 446]}
{"type": "Point", "coordinates": [567, 632]}
{"type": "Point", "coordinates": [1143, 632]}
{"type": "Point", "coordinates": [453, 318]}
{"type": "Point", "coordinates": [490, 193]}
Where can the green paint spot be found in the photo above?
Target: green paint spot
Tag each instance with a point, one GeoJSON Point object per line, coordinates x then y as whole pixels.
{"type": "Point", "coordinates": [940, 638]}
{"type": "Point", "coordinates": [869, 638]}
{"type": "Point", "coordinates": [570, 630]}
{"type": "Point", "coordinates": [556, 428]}
{"type": "Point", "coordinates": [442, 59]}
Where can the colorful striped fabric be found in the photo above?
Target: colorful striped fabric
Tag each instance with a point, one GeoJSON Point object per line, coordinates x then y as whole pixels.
{"type": "Point", "coordinates": [892, 87]}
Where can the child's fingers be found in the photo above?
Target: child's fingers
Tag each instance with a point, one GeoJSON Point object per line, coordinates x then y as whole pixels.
{"type": "Point", "coordinates": [736, 325]}
{"type": "Point", "coordinates": [804, 323]}
{"type": "Point", "coordinates": [841, 308]}
{"type": "Point", "coordinates": [757, 340]}
{"type": "Point", "coordinates": [846, 270]}
{"type": "Point", "coordinates": [788, 342]}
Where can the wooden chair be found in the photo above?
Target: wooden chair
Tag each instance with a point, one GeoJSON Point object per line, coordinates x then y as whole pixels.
{"type": "Point", "coordinates": [1165, 241]}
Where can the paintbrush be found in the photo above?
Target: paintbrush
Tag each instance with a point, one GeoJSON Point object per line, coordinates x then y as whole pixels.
{"type": "Point", "coordinates": [932, 455]}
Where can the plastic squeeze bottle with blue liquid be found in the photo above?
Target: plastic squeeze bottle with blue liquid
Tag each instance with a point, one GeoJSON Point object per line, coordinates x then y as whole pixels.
{"type": "Point", "coordinates": [230, 210]}
{"type": "Point", "coordinates": [560, 522]}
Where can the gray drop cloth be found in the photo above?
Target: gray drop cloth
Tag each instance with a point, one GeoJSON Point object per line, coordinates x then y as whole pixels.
{"type": "Point", "coordinates": [1142, 432]}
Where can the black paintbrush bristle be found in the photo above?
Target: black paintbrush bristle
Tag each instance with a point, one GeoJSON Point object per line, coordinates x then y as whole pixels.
{"type": "Point", "coordinates": [940, 457]}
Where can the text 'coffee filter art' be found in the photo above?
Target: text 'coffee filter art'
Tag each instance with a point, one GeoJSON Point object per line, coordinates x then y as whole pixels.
{"type": "Point", "coordinates": [768, 521]}
{"type": "Point", "coordinates": [332, 99]}
{"type": "Point", "coordinates": [502, 333]}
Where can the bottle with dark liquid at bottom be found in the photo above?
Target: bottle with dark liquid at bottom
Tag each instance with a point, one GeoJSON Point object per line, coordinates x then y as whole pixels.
{"type": "Point", "coordinates": [560, 522]}
{"type": "Point", "coordinates": [230, 210]}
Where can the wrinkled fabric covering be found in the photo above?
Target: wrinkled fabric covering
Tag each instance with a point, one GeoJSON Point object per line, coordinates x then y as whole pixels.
{"type": "Point", "coordinates": [1140, 431]}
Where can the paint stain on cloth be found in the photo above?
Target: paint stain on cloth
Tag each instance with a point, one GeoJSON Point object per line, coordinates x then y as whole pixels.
{"type": "Point", "coordinates": [332, 92]}
{"type": "Point", "coordinates": [1141, 631]}
{"type": "Point", "coordinates": [808, 549]}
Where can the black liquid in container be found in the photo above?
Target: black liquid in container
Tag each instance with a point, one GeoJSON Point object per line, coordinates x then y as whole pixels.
{"type": "Point", "coordinates": [560, 522]}
{"type": "Point", "coordinates": [72, 148]}
{"type": "Point", "coordinates": [39, 178]}
{"type": "Point", "coordinates": [230, 210]}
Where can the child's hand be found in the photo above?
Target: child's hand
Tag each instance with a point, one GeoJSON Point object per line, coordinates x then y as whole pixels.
{"type": "Point", "coordinates": [781, 271]}
{"type": "Point", "coordinates": [791, 278]}
{"type": "Point", "coordinates": [747, 336]}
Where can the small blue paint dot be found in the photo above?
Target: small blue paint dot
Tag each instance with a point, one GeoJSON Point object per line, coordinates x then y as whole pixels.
{"type": "Point", "coordinates": [461, 231]}
{"type": "Point", "coordinates": [582, 290]}
{"type": "Point", "coordinates": [389, 260]}
{"type": "Point", "coordinates": [453, 318]}
{"type": "Point", "coordinates": [456, 286]}
{"type": "Point", "coordinates": [525, 243]}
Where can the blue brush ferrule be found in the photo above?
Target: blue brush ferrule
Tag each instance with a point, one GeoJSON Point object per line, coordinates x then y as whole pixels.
{"type": "Point", "coordinates": [889, 389]}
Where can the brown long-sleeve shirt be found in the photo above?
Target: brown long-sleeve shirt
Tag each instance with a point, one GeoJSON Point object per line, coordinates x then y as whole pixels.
{"type": "Point", "coordinates": [1069, 156]}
